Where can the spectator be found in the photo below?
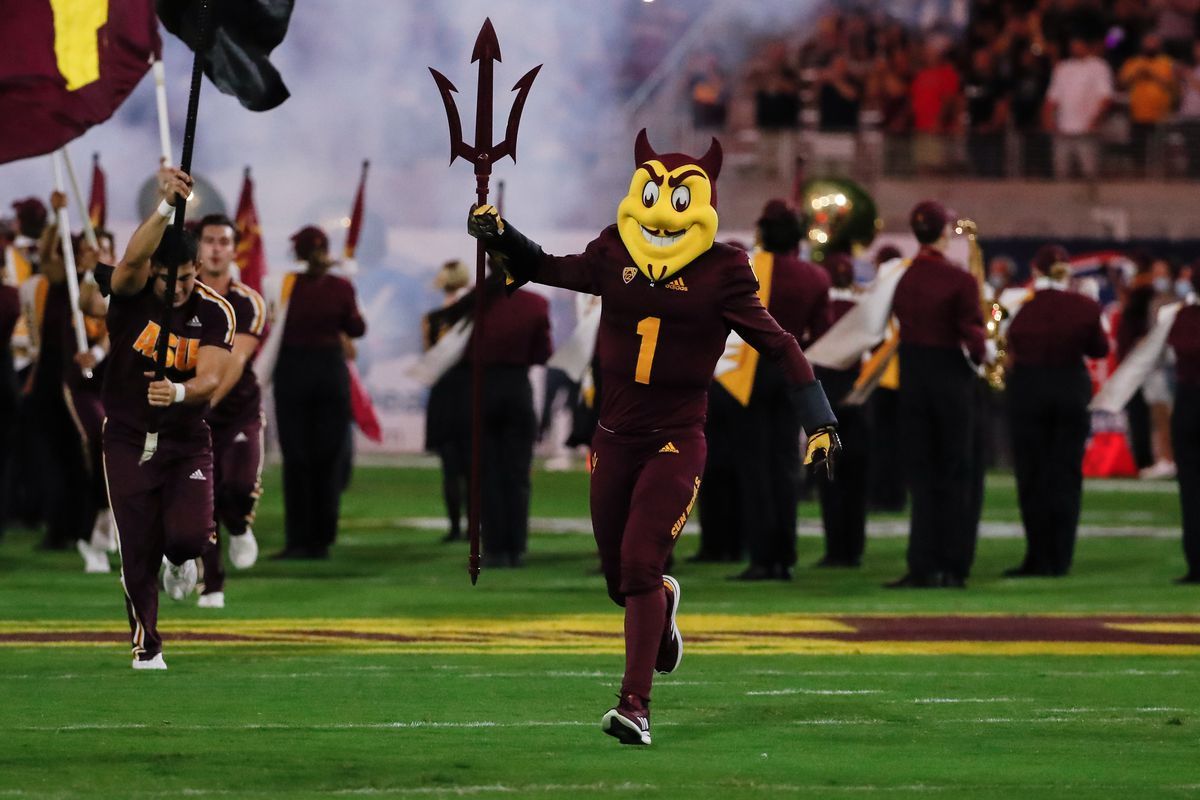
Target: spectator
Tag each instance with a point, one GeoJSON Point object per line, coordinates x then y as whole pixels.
{"type": "Point", "coordinates": [987, 96]}
{"type": "Point", "coordinates": [1151, 82]}
{"type": "Point", "coordinates": [936, 97]}
{"type": "Point", "coordinates": [1176, 26]}
{"type": "Point", "coordinates": [839, 97]}
{"type": "Point", "coordinates": [709, 94]}
{"type": "Point", "coordinates": [1080, 95]}
{"type": "Point", "coordinates": [1189, 109]}
{"type": "Point", "coordinates": [776, 91]}
{"type": "Point", "coordinates": [887, 90]}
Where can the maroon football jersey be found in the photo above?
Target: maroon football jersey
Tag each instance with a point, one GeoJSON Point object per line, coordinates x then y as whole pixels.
{"type": "Point", "coordinates": [659, 342]}
{"type": "Point", "coordinates": [244, 401]}
{"type": "Point", "coordinates": [1184, 339]}
{"type": "Point", "coordinates": [205, 320]}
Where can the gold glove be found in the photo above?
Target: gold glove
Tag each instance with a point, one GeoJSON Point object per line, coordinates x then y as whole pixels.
{"type": "Point", "coordinates": [485, 223]}
{"type": "Point", "coordinates": [823, 447]}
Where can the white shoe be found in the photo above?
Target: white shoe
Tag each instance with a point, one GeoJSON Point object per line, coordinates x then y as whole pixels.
{"type": "Point", "coordinates": [95, 559]}
{"type": "Point", "coordinates": [243, 550]}
{"type": "Point", "coordinates": [211, 600]}
{"type": "Point", "coordinates": [103, 532]}
{"type": "Point", "coordinates": [1157, 471]}
{"type": "Point", "coordinates": [179, 580]}
{"type": "Point", "coordinates": [150, 663]}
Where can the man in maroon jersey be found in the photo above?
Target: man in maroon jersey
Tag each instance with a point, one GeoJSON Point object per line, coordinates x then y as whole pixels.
{"type": "Point", "coordinates": [236, 415]}
{"type": "Point", "coordinates": [937, 305]}
{"type": "Point", "coordinates": [670, 297]}
{"type": "Point", "coordinates": [163, 507]}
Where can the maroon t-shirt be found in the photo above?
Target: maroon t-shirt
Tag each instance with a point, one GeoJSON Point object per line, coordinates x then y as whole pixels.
{"type": "Point", "coordinates": [1184, 339]}
{"type": "Point", "coordinates": [243, 404]}
{"type": "Point", "coordinates": [659, 343]}
{"type": "Point", "coordinates": [1056, 329]}
{"type": "Point", "coordinates": [205, 320]}
{"type": "Point", "coordinates": [937, 305]}
{"type": "Point", "coordinates": [799, 299]}
{"type": "Point", "coordinates": [321, 308]}
{"type": "Point", "coordinates": [516, 330]}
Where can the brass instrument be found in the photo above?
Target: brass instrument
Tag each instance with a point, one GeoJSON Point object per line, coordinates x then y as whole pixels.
{"type": "Point", "coordinates": [994, 313]}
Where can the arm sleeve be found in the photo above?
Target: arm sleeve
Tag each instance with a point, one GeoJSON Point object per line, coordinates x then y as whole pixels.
{"type": "Point", "coordinates": [353, 324]}
{"type": "Point", "coordinates": [743, 311]}
{"type": "Point", "coordinates": [541, 345]}
{"type": "Point", "coordinates": [821, 320]}
{"type": "Point", "coordinates": [970, 320]}
{"type": "Point", "coordinates": [525, 262]}
{"type": "Point", "coordinates": [218, 324]}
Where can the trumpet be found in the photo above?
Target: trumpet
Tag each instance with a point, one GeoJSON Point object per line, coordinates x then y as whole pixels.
{"type": "Point", "coordinates": [994, 314]}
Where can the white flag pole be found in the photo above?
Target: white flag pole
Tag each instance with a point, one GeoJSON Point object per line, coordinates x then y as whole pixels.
{"type": "Point", "coordinates": [64, 235]}
{"type": "Point", "coordinates": [89, 231]}
{"type": "Point", "coordinates": [164, 125]}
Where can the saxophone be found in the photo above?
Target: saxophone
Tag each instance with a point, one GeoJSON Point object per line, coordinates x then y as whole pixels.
{"type": "Point", "coordinates": [994, 313]}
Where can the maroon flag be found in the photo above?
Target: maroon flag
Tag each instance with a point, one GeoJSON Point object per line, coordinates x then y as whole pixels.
{"type": "Point", "coordinates": [251, 259]}
{"type": "Point", "coordinates": [98, 200]}
{"type": "Point", "coordinates": [65, 67]}
{"type": "Point", "coordinates": [356, 215]}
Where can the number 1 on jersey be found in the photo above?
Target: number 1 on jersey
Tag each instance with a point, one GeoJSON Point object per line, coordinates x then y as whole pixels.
{"type": "Point", "coordinates": [648, 330]}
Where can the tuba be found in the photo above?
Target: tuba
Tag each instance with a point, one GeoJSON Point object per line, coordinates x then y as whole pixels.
{"type": "Point", "coordinates": [994, 313]}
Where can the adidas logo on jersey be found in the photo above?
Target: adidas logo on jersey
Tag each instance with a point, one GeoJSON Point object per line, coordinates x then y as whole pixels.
{"type": "Point", "coordinates": [194, 322]}
{"type": "Point", "coordinates": [196, 476]}
{"type": "Point", "coordinates": [669, 447]}
{"type": "Point", "coordinates": [678, 285]}
{"type": "Point", "coordinates": [241, 437]}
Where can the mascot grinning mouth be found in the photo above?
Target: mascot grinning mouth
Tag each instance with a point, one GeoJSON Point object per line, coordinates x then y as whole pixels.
{"type": "Point", "coordinates": [660, 238]}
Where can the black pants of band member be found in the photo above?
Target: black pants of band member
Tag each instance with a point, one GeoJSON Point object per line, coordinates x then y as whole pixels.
{"type": "Point", "coordinates": [844, 499]}
{"type": "Point", "coordinates": [312, 410]}
{"type": "Point", "coordinates": [1185, 438]}
{"type": "Point", "coordinates": [1049, 424]}
{"type": "Point", "coordinates": [509, 430]}
{"type": "Point", "coordinates": [937, 390]}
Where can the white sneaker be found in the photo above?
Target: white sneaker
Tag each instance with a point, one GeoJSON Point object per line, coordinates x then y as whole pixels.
{"type": "Point", "coordinates": [150, 663]}
{"type": "Point", "coordinates": [1157, 471]}
{"type": "Point", "coordinates": [104, 532]}
{"type": "Point", "coordinates": [179, 580]}
{"type": "Point", "coordinates": [95, 559]}
{"type": "Point", "coordinates": [243, 550]}
{"type": "Point", "coordinates": [211, 600]}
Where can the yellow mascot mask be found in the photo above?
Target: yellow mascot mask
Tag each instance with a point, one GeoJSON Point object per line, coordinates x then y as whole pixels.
{"type": "Point", "coordinates": [669, 217]}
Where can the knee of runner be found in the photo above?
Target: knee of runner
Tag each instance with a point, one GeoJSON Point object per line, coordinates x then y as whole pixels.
{"type": "Point", "coordinates": [640, 577]}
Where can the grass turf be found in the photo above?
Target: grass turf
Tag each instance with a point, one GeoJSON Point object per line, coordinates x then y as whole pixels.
{"type": "Point", "coordinates": [304, 721]}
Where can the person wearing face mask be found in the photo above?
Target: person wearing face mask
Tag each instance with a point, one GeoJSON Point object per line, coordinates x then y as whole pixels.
{"type": "Point", "coordinates": [1048, 393]}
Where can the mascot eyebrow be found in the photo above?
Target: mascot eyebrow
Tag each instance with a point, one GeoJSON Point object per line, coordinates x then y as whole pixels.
{"type": "Point", "coordinates": [675, 180]}
{"type": "Point", "coordinates": [653, 172]}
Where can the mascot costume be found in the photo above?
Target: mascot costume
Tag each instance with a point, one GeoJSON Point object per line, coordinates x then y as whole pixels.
{"type": "Point", "coordinates": [670, 297]}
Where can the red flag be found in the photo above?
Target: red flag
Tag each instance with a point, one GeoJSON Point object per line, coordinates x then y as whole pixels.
{"type": "Point", "coordinates": [65, 67]}
{"type": "Point", "coordinates": [363, 409]}
{"type": "Point", "coordinates": [356, 215]}
{"type": "Point", "coordinates": [98, 200]}
{"type": "Point", "coordinates": [251, 260]}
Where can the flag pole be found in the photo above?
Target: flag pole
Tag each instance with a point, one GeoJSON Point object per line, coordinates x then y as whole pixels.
{"type": "Point", "coordinates": [185, 164]}
{"type": "Point", "coordinates": [89, 230]}
{"type": "Point", "coordinates": [160, 96]}
{"type": "Point", "coordinates": [64, 234]}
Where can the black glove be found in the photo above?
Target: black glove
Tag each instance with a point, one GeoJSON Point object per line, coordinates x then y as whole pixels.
{"type": "Point", "coordinates": [484, 223]}
{"type": "Point", "coordinates": [823, 447]}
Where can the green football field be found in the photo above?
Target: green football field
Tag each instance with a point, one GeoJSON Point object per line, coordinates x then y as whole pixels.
{"type": "Point", "coordinates": [382, 672]}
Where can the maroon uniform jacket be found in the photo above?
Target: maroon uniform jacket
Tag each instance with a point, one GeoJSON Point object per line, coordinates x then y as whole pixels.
{"type": "Point", "coordinates": [937, 305]}
{"type": "Point", "coordinates": [321, 308]}
{"type": "Point", "coordinates": [243, 404]}
{"type": "Point", "coordinates": [1184, 339]}
{"type": "Point", "coordinates": [516, 331]}
{"type": "Point", "coordinates": [659, 343]}
{"type": "Point", "coordinates": [205, 320]}
{"type": "Point", "coordinates": [1056, 329]}
{"type": "Point", "coordinates": [799, 299]}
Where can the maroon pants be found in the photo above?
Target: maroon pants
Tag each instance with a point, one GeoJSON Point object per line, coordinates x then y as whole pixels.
{"type": "Point", "coordinates": [87, 412]}
{"type": "Point", "coordinates": [237, 464]}
{"type": "Point", "coordinates": [643, 489]}
{"type": "Point", "coordinates": [162, 507]}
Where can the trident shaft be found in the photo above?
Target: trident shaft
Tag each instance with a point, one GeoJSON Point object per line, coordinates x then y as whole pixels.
{"type": "Point", "coordinates": [483, 154]}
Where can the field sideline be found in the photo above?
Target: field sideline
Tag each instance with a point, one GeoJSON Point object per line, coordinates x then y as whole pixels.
{"type": "Point", "coordinates": [383, 673]}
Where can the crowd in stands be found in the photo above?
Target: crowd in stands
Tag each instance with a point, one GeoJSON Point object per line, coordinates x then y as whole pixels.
{"type": "Point", "coordinates": [1036, 87]}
